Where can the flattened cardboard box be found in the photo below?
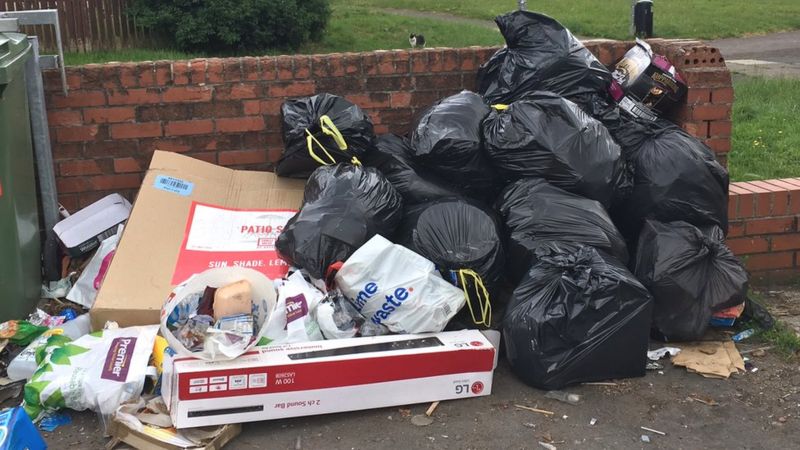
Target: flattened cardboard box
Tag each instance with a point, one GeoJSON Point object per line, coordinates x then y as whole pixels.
{"type": "Point", "coordinates": [189, 215]}
{"type": "Point", "coordinates": [329, 376]}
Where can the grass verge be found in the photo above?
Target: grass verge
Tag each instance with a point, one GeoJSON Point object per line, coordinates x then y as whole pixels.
{"type": "Point", "coordinates": [765, 143]}
{"type": "Point", "coordinates": [782, 338]}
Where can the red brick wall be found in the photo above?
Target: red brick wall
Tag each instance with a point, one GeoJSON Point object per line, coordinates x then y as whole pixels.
{"type": "Point", "coordinates": [227, 111]}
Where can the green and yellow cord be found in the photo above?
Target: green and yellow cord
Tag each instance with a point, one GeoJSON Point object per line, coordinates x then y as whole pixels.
{"type": "Point", "coordinates": [484, 306]}
{"type": "Point", "coordinates": [329, 128]}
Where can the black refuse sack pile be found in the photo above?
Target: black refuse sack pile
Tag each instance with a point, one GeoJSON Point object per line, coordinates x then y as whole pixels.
{"type": "Point", "coordinates": [538, 184]}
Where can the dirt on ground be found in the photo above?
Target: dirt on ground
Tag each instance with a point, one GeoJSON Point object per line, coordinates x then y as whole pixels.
{"type": "Point", "coordinates": [755, 409]}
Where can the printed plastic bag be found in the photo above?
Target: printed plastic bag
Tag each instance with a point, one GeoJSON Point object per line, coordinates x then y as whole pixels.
{"type": "Point", "coordinates": [577, 316]}
{"type": "Point", "coordinates": [540, 54]}
{"type": "Point", "coordinates": [98, 371]}
{"type": "Point", "coordinates": [84, 291]}
{"type": "Point", "coordinates": [320, 130]}
{"type": "Point", "coordinates": [547, 136]}
{"type": "Point", "coordinates": [691, 273]}
{"type": "Point", "coordinates": [294, 317]}
{"type": "Point", "coordinates": [182, 310]}
{"type": "Point", "coordinates": [343, 207]}
{"type": "Point", "coordinates": [447, 141]}
{"type": "Point", "coordinates": [463, 241]}
{"type": "Point", "coordinates": [535, 211]}
{"type": "Point", "coordinates": [676, 178]}
{"type": "Point", "coordinates": [391, 285]}
{"type": "Point", "coordinates": [392, 156]}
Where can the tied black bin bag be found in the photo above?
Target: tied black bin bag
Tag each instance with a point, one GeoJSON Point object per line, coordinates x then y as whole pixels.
{"type": "Point", "coordinates": [343, 207]}
{"type": "Point", "coordinates": [321, 130]}
{"type": "Point", "coordinates": [447, 141]}
{"type": "Point", "coordinates": [392, 156]}
{"type": "Point", "coordinates": [540, 55]}
{"type": "Point", "coordinates": [547, 136]}
{"type": "Point", "coordinates": [577, 316]}
{"type": "Point", "coordinates": [691, 273]}
{"type": "Point", "coordinates": [535, 211]}
{"type": "Point", "coordinates": [463, 240]}
{"type": "Point", "coordinates": [676, 177]}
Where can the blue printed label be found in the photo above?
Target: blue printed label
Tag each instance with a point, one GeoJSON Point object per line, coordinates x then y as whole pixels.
{"type": "Point", "coordinates": [174, 185]}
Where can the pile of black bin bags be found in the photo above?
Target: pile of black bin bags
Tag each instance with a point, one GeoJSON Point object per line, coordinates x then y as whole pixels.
{"type": "Point", "coordinates": [590, 230]}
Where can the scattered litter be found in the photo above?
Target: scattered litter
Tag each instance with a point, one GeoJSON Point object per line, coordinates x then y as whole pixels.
{"type": "Point", "coordinates": [432, 408]}
{"type": "Point", "coordinates": [710, 359]}
{"type": "Point", "coordinates": [54, 420]}
{"type": "Point", "coordinates": [421, 420]}
{"type": "Point", "coordinates": [85, 230]}
{"type": "Point", "coordinates": [593, 421]}
{"type": "Point", "coordinates": [536, 410]}
{"type": "Point", "coordinates": [547, 446]}
{"type": "Point", "coordinates": [645, 438]}
{"type": "Point", "coordinates": [761, 351]}
{"type": "Point", "coordinates": [404, 412]}
{"type": "Point", "coordinates": [653, 431]}
{"type": "Point", "coordinates": [564, 417]}
{"type": "Point", "coordinates": [566, 397]}
{"type": "Point", "coordinates": [18, 431]}
{"type": "Point", "coordinates": [655, 355]}
{"type": "Point", "coordinates": [652, 365]}
{"type": "Point", "coordinates": [739, 337]}
{"type": "Point", "coordinates": [704, 400]}
{"type": "Point", "coordinates": [529, 425]}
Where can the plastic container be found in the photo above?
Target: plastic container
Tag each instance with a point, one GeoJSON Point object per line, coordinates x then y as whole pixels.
{"type": "Point", "coordinates": [24, 365]}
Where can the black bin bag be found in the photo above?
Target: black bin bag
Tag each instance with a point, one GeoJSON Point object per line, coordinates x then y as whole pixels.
{"type": "Point", "coordinates": [392, 156]}
{"type": "Point", "coordinates": [691, 273]}
{"type": "Point", "coordinates": [540, 55]}
{"type": "Point", "coordinates": [535, 211]}
{"type": "Point", "coordinates": [577, 316]}
{"type": "Point", "coordinates": [447, 141]}
{"type": "Point", "coordinates": [343, 207]}
{"type": "Point", "coordinates": [676, 177]}
{"type": "Point", "coordinates": [463, 240]}
{"type": "Point", "coordinates": [320, 130]}
{"type": "Point", "coordinates": [549, 137]}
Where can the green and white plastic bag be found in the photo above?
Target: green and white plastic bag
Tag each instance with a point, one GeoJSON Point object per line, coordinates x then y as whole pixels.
{"type": "Point", "coordinates": [98, 371]}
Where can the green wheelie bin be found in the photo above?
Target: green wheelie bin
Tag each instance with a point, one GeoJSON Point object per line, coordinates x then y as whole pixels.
{"type": "Point", "coordinates": [20, 253]}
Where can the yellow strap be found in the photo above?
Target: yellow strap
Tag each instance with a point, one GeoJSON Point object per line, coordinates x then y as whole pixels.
{"type": "Point", "coordinates": [481, 295]}
{"type": "Point", "coordinates": [329, 128]}
{"type": "Point", "coordinates": [500, 106]}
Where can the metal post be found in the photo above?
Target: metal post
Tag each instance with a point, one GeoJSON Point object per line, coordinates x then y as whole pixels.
{"type": "Point", "coordinates": [44, 159]}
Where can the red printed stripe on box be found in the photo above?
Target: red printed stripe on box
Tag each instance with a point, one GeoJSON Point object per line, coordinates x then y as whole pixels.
{"type": "Point", "coordinates": [330, 374]}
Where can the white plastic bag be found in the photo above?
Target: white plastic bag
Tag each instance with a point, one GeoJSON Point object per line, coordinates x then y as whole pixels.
{"type": "Point", "coordinates": [184, 301]}
{"type": "Point", "coordinates": [84, 291]}
{"type": "Point", "coordinates": [98, 371]}
{"type": "Point", "coordinates": [393, 286]}
{"type": "Point", "coordinates": [294, 317]}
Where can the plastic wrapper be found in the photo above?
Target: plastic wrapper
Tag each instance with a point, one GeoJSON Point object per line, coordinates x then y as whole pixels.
{"type": "Point", "coordinates": [463, 240]}
{"type": "Point", "coordinates": [294, 317]}
{"type": "Point", "coordinates": [540, 54]}
{"type": "Point", "coordinates": [393, 157]}
{"type": "Point", "coordinates": [447, 141]}
{"type": "Point", "coordinates": [676, 178]}
{"type": "Point", "coordinates": [577, 316]}
{"type": "Point", "coordinates": [535, 211]}
{"type": "Point", "coordinates": [320, 130]}
{"type": "Point", "coordinates": [343, 207]}
{"type": "Point", "coordinates": [98, 371]}
{"type": "Point", "coordinates": [691, 273]}
{"type": "Point", "coordinates": [84, 291]}
{"type": "Point", "coordinates": [392, 286]}
{"type": "Point", "coordinates": [199, 335]}
{"type": "Point", "coordinates": [20, 332]}
{"type": "Point", "coordinates": [337, 317]}
{"type": "Point", "coordinates": [547, 136]}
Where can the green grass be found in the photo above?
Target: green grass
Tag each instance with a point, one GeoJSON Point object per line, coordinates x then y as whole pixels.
{"type": "Point", "coordinates": [132, 54]}
{"type": "Point", "coordinates": [782, 338]}
{"type": "Point", "coordinates": [706, 19]}
{"type": "Point", "coordinates": [766, 143]}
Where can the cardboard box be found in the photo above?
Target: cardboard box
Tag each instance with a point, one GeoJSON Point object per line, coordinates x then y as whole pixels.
{"type": "Point", "coordinates": [191, 215]}
{"type": "Point", "coordinates": [329, 376]}
{"type": "Point", "coordinates": [153, 438]}
{"type": "Point", "coordinates": [83, 231]}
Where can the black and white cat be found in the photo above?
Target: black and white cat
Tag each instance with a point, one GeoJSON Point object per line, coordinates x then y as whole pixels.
{"type": "Point", "coordinates": [416, 40]}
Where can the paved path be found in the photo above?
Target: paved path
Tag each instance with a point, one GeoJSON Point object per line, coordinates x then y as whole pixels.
{"type": "Point", "coordinates": [770, 55]}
